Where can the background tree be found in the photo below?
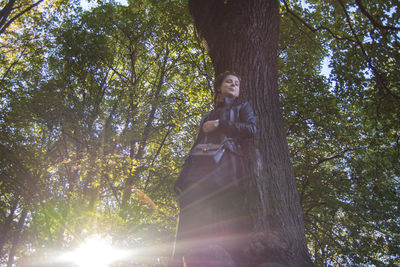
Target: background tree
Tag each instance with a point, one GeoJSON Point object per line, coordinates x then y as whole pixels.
{"type": "Point", "coordinates": [82, 92]}
{"type": "Point", "coordinates": [335, 151]}
{"type": "Point", "coordinates": [90, 146]}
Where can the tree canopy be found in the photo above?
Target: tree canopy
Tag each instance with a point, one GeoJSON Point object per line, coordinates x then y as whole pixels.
{"type": "Point", "coordinates": [100, 106]}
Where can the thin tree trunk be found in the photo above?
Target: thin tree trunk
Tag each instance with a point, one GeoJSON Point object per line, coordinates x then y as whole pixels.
{"type": "Point", "coordinates": [6, 227]}
{"type": "Point", "coordinates": [16, 238]}
{"type": "Point", "coordinates": [242, 36]}
{"type": "Point", "coordinates": [147, 130]}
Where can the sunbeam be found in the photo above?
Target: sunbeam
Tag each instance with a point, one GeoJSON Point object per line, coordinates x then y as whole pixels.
{"type": "Point", "coordinates": [95, 251]}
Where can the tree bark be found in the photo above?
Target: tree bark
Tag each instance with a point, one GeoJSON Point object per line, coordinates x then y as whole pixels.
{"type": "Point", "coordinates": [6, 226]}
{"type": "Point", "coordinates": [242, 36]}
{"type": "Point", "coordinates": [16, 237]}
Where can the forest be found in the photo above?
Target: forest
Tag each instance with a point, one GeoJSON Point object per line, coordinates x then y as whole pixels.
{"type": "Point", "coordinates": [101, 102]}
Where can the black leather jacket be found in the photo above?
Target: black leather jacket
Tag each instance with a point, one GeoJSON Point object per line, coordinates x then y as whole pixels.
{"type": "Point", "coordinates": [237, 123]}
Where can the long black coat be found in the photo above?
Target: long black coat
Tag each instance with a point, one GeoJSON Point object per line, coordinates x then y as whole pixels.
{"type": "Point", "coordinates": [210, 195]}
{"type": "Point", "coordinates": [236, 124]}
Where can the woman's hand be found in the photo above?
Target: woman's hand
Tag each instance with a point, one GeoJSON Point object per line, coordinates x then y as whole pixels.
{"type": "Point", "coordinates": [210, 126]}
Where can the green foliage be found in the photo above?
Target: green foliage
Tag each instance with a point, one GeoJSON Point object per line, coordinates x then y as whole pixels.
{"type": "Point", "coordinates": [95, 134]}
{"type": "Point", "coordinates": [100, 107]}
{"type": "Point", "coordinates": [343, 130]}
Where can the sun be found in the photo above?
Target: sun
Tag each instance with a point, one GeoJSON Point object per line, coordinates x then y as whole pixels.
{"type": "Point", "coordinates": [95, 251]}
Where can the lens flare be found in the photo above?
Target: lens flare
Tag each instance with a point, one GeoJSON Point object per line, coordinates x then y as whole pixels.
{"type": "Point", "coordinates": [95, 251]}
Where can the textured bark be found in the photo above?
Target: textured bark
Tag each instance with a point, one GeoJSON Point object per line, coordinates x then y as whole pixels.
{"type": "Point", "coordinates": [16, 237]}
{"type": "Point", "coordinates": [242, 36]}
{"type": "Point", "coordinates": [6, 226]}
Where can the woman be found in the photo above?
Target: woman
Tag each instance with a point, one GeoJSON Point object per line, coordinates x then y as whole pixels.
{"type": "Point", "coordinates": [210, 187]}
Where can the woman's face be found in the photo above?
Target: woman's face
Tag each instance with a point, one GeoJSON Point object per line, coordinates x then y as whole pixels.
{"type": "Point", "coordinates": [230, 87]}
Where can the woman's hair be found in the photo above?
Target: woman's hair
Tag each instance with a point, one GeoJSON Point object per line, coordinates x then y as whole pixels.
{"type": "Point", "coordinates": [218, 82]}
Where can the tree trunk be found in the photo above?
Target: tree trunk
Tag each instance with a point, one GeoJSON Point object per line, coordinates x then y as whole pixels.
{"type": "Point", "coordinates": [6, 227]}
{"type": "Point", "coordinates": [16, 237]}
{"type": "Point", "coordinates": [242, 36]}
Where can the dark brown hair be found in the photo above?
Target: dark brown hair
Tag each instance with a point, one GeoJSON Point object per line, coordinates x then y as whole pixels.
{"type": "Point", "coordinates": [218, 82]}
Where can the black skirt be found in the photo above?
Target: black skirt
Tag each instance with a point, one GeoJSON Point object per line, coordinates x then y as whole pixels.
{"type": "Point", "coordinates": [212, 207]}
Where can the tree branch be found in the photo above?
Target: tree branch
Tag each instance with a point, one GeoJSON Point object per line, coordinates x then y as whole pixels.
{"type": "Point", "coordinates": [379, 77]}
{"type": "Point", "coordinates": [171, 126]}
{"type": "Point", "coordinates": [322, 160]}
{"type": "Point", "coordinates": [11, 66]}
{"type": "Point", "coordinates": [310, 27]}
{"type": "Point", "coordinates": [373, 21]}
{"type": "Point", "coordinates": [157, 89]}
{"type": "Point", "coordinates": [5, 12]}
{"type": "Point", "coordinates": [6, 25]}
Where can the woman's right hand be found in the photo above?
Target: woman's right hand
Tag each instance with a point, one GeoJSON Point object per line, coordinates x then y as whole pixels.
{"type": "Point", "coordinates": [209, 126]}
